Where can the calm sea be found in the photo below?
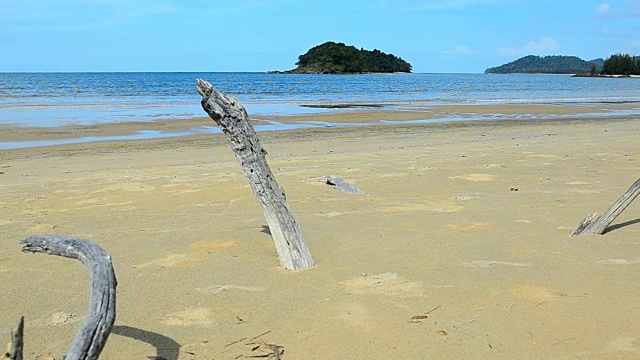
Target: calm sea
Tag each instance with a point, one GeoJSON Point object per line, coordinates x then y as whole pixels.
{"type": "Point", "coordinates": [55, 99]}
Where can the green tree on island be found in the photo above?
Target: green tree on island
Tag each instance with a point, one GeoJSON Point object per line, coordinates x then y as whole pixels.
{"type": "Point", "coordinates": [621, 64]}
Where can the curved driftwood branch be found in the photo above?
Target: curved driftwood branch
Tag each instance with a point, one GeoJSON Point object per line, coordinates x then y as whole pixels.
{"type": "Point", "coordinates": [233, 120]}
{"type": "Point", "coordinates": [101, 314]}
{"type": "Point", "coordinates": [592, 225]}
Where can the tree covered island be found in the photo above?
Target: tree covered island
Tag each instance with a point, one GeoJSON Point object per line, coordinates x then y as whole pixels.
{"type": "Point", "coordinates": [338, 58]}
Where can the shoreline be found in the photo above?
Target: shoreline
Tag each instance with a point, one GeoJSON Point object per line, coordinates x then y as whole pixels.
{"type": "Point", "coordinates": [13, 137]}
{"type": "Point", "coordinates": [313, 134]}
{"type": "Point", "coordinates": [461, 237]}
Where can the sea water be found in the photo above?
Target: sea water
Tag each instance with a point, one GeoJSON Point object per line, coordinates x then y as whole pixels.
{"type": "Point", "coordinates": [56, 99]}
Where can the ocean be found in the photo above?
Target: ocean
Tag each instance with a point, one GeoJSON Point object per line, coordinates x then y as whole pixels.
{"type": "Point", "coordinates": [56, 99]}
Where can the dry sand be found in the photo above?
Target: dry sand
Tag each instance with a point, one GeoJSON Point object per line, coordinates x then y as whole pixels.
{"type": "Point", "coordinates": [440, 258]}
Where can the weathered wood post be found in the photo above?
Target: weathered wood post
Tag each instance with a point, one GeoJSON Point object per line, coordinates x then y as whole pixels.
{"type": "Point", "coordinates": [101, 314]}
{"type": "Point", "coordinates": [232, 118]}
{"type": "Point", "coordinates": [592, 225]}
{"type": "Point", "coordinates": [17, 341]}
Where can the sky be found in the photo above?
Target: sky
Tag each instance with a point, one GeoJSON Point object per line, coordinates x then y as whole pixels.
{"type": "Point", "coordinates": [435, 36]}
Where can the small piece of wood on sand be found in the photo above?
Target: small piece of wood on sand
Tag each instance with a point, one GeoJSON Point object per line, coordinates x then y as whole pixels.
{"type": "Point", "coordinates": [592, 225]}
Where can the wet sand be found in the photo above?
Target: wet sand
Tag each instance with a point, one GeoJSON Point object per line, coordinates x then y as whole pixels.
{"type": "Point", "coordinates": [458, 248]}
{"type": "Point", "coordinates": [349, 117]}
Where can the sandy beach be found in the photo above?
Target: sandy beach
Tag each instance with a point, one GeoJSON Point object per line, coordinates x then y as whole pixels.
{"type": "Point", "coordinates": [458, 248]}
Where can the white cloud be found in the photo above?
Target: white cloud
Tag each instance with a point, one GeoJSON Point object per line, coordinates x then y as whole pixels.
{"type": "Point", "coordinates": [459, 50]}
{"type": "Point", "coordinates": [608, 32]}
{"type": "Point", "coordinates": [629, 11]}
{"type": "Point", "coordinates": [603, 9]}
{"type": "Point", "coordinates": [542, 46]}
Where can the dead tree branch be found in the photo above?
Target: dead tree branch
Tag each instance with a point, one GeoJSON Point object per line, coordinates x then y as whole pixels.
{"type": "Point", "coordinates": [101, 314]}
{"type": "Point", "coordinates": [232, 118]}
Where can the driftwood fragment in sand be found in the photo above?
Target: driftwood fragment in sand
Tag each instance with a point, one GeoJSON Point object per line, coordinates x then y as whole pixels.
{"type": "Point", "coordinates": [597, 225]}
{"type": "Point", "coordinates": [101, 313]}
{"type": "Point", "coordinates": [271, 351]}
{"type": "Point", "coordinates": [233, 120]}
{"type": "Point", "coordinates": [17, 341]}
{"type": "Point", "coordinates": [340, 185]}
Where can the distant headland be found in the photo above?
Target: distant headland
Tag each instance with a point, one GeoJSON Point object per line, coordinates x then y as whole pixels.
{"type": "Point", "coordinates": [555, 64]}
{"type": "Point", "coordinates": [617, 65]}
{"type": "Point", "coordinates": [338, 58]}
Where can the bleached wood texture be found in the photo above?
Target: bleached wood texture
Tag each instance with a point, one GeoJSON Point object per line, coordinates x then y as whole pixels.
{"type": "Point", "coordinates": [592, 225]}
{"type": "Point", "coordinates": [17, 341]}
{"type": "Point", "coordinates": [233, 120]}
{"type": "Point", "coordinates": [101, 313]}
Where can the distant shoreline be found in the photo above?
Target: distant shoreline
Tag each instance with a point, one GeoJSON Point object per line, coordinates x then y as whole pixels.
{"type": "Point", "coordinates": [296, 72]}
{"type": "Point", "coordinates": [608, 76]}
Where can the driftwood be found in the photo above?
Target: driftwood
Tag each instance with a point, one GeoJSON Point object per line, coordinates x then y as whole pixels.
{"type": "Point", "coordinates": [233, 120]}
{"type": "Point", "coordinates": [17, 341]}
{"type": "Point", "coordinates": [101, 314]}
{"type": "Point", "coordinates": [597, 225]}
{"type": "Point", "coordinates": [340, 185]}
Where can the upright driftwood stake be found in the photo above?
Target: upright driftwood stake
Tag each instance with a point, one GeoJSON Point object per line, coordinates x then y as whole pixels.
{"type": "Point", "coordinates": [592, 225]}
{"type": "Point", "coordinates": [17, 341]}
{"type": "Point", "coordinates": [101, 314]}
{"type": "Point", "coordinates": [232, 118]}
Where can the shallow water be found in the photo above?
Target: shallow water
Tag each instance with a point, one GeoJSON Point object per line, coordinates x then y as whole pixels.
{"type": "Point", "coordinates": [57, 99]}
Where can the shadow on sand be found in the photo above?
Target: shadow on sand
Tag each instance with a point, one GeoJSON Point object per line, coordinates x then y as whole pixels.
{"type": "Point", "coordinates": [621, 225]}
{"type": "Point", "coordinates": [166, 347]}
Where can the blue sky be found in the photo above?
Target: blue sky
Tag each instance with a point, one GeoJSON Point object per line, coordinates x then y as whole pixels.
{"type": "Point", "coordinates": [250, 35]}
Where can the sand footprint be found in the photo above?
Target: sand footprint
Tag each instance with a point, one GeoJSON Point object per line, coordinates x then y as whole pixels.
{"type": "Point", "coordinates": [535, 293]}
{"type": "Point", "coordinates": [331, 214]}
{"type": "Point", "coordinates": [216, 289]}
{"type": "Point", "coordinates": [469, 226]}
{"type": "Point", "coordinates": [173, 260]}
{"type": "Point", "coordinates": [193, 256]}
{"type": "Point", "coordinates": [129, 186]}
{"type": "Point", "coordinates": [57, 319]}
{"type": "Point", "coordinates": [190, 316]}
{"type": "Point", "coordinates": [523, 221]}
{"type": "Point", "coordinates": [490, 166]}
{"type": "Point", "coordinates": [619, 262]}
{"type": "Point", "coordinates": [489, 263]}
{"type": "Point", "coordinates": [389, 284]}
{"type": "Point", "coordinates": [430, 206]}
{"type": "Point", "coordinates": [475, 177]}
{"type": "Point", "coordinates": [61, 318]}
{"type": "Point", "coordinates": [543, 156]}
{"type": "Point", "coordinates": [625, 344]}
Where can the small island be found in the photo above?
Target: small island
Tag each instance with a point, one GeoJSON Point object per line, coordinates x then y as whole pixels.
{"type": "Point", "coordinates": [338, 58]}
